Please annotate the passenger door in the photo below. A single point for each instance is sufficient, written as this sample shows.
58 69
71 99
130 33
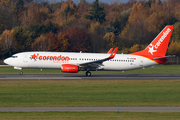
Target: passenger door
25 58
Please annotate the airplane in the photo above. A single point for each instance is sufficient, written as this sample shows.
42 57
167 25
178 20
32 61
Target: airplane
70 62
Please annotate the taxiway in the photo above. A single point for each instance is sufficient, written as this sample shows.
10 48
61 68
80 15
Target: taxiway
93 77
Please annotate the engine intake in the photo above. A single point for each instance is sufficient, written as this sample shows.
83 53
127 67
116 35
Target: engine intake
69 68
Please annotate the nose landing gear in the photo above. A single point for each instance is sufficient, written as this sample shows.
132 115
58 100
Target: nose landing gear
21 73
88 73
18 68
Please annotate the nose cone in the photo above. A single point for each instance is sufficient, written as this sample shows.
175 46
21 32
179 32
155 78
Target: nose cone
7 61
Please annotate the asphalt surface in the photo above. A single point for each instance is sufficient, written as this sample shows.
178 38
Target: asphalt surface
93 77
86 109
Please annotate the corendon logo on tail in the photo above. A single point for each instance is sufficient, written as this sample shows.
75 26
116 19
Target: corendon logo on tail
165 34
51 58
151 49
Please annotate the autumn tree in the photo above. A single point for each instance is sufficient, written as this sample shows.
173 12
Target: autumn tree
168 21
149 3
174 48
70 27
83 2
63 42
157 14
43 28
82 10
112 13
7 20
32 16
68 11
48 9
2 27
23 38
125 50
137 30
53 40
110 38
65 14
7 41
134 48
78 39
59 42
42 43
7 3
114 27
96 32
96 13
176 32
135 25
124 15
135 17
19 8
176 11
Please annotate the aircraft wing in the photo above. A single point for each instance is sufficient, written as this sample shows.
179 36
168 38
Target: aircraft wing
97 63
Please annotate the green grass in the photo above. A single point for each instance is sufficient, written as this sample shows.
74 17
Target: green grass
159 69
90 93
87 116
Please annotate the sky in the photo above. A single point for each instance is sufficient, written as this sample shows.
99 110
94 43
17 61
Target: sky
104 1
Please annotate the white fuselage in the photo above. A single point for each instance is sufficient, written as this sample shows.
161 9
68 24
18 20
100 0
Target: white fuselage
54 60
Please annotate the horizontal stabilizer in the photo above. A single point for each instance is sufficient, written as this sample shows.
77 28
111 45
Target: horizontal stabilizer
160 58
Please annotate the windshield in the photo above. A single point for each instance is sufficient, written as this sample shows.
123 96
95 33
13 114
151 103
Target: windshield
14 56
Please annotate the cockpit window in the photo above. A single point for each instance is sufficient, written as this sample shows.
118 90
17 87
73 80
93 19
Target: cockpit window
14 56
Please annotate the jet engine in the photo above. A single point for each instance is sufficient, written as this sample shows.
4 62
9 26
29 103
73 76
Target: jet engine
69 68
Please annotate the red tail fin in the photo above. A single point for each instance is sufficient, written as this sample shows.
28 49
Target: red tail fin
158 47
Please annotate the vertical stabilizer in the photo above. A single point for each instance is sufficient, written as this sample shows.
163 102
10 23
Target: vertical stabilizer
158 47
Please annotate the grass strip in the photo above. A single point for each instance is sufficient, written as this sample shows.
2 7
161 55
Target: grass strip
90 93
87 116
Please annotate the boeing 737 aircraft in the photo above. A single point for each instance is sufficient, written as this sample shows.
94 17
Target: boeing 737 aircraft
71 62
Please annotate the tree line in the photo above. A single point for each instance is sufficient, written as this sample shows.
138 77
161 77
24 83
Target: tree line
87 27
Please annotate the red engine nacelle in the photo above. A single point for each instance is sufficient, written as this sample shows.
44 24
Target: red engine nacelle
70 68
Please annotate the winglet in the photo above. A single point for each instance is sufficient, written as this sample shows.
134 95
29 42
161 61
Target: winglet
113 53
110 51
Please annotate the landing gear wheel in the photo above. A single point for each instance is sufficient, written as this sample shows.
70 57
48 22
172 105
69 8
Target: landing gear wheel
21 73
88 73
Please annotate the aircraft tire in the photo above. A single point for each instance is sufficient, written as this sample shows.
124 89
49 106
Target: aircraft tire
21 73
88 73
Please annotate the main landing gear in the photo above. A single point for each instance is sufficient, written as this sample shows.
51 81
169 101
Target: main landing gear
88 73
21 73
